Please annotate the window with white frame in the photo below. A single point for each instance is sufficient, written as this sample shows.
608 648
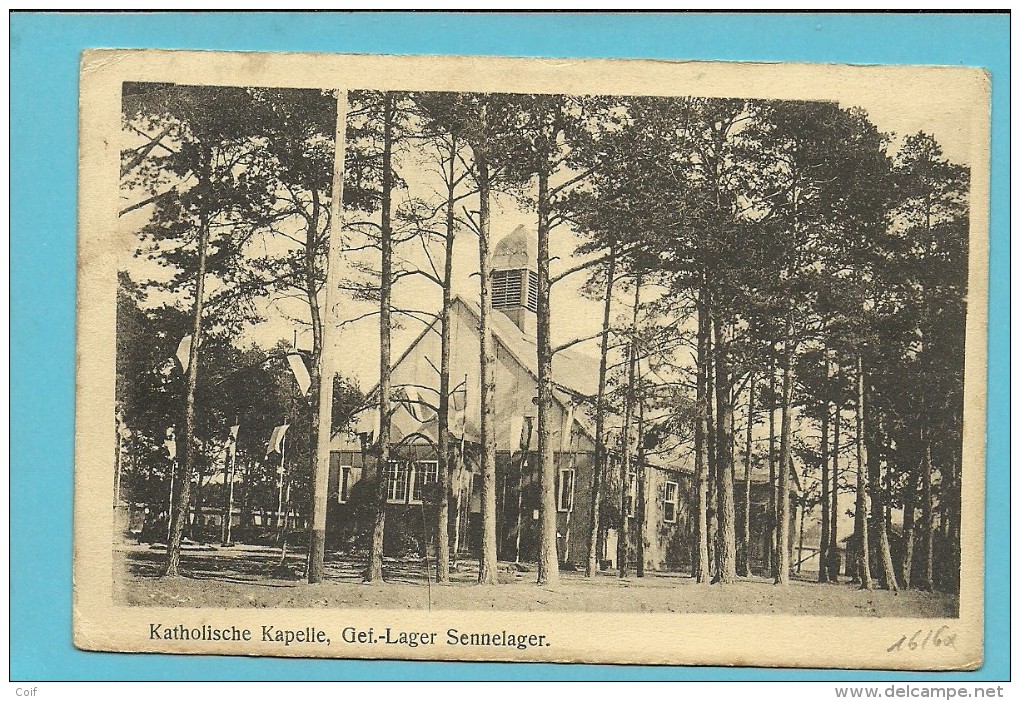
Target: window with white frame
404 481
424 472
396 482
670 500
565 493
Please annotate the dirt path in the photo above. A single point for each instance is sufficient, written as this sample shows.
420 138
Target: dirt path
249 576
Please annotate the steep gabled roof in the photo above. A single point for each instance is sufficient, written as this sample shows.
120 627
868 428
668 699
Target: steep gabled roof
574 374
573 371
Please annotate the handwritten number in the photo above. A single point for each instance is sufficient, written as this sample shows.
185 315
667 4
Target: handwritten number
938 638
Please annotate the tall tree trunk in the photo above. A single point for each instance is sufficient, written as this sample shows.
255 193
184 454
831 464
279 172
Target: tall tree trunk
639 506
944 506
598 469
231 479
773 517
861 517
833 563
710 439
701 563
374 571
316 557
198 499
286 522
445 465
726 550
823 545
186 466
745 569
622 544
927 508
953 543
523 466
801 507
878 530
548 562
785 435
927 520
487 567
323 363
245 516
312 283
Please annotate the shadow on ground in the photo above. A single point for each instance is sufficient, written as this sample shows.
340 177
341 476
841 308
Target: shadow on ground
253 576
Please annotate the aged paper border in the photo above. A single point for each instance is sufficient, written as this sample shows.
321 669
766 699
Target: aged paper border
594 637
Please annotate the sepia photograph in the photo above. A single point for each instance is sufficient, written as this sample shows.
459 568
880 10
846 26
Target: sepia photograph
503 359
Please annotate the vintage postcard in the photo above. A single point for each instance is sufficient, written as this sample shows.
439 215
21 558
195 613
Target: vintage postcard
635 362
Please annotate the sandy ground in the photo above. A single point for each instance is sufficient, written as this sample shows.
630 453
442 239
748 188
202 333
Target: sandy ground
250 576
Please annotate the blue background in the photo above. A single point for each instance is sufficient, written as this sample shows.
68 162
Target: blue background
45 51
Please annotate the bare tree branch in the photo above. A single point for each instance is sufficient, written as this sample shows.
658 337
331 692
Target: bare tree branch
568 344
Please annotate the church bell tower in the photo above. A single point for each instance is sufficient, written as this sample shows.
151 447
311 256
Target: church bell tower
515 280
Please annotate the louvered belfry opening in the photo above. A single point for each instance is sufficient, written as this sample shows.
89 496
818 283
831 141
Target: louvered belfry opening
506 288
514 280
514 288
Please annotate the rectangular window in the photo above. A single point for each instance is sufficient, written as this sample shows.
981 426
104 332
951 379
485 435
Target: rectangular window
425 472
396 482
631 492
670 497
506 288
565 496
